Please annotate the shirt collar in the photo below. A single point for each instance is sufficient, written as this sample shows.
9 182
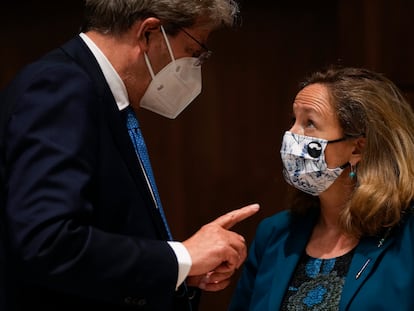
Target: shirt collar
114 81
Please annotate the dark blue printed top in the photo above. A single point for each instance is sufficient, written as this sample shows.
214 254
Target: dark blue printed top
317 284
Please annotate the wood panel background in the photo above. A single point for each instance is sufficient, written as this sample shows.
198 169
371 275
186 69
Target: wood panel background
223 151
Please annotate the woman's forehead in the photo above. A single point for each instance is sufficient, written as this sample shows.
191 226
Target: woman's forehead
314 97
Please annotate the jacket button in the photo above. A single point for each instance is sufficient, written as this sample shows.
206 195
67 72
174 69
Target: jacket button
141 302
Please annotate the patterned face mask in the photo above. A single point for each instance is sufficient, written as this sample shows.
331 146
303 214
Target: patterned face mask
304 165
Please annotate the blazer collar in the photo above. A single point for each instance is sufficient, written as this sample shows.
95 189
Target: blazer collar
287 260
365 258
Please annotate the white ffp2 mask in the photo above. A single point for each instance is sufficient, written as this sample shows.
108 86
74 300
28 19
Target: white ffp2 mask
174 87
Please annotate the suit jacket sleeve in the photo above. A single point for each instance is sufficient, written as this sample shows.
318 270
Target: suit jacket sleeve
54 171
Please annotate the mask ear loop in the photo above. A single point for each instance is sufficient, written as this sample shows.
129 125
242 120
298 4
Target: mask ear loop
168 44
149 66
147 61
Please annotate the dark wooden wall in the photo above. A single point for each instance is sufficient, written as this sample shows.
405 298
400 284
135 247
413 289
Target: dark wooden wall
223 151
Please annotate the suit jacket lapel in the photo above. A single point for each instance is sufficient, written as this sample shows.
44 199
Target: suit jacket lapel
116 122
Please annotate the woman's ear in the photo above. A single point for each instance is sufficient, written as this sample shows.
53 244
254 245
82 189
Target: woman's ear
359 145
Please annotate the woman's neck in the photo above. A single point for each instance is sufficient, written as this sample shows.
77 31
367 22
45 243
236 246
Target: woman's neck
328 240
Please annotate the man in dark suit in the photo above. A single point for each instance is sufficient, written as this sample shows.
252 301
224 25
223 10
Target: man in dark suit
81 221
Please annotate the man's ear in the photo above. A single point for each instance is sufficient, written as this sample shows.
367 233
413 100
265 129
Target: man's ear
145 29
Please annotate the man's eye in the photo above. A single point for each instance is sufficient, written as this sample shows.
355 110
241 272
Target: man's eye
197 54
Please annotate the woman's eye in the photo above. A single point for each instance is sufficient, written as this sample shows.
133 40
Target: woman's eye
310 123
304 123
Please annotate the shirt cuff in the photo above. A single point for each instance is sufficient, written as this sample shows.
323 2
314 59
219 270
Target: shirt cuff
184 261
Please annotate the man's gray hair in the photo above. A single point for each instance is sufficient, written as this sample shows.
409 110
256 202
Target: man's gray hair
117 16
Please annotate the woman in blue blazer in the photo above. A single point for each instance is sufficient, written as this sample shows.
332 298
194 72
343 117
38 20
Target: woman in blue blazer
347 242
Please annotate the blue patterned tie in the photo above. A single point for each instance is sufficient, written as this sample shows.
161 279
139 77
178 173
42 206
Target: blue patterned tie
142 153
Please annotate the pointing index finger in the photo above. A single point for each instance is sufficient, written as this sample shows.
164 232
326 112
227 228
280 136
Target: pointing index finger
231 218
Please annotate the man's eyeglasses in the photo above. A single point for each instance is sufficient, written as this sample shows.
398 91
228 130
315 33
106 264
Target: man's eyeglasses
204 55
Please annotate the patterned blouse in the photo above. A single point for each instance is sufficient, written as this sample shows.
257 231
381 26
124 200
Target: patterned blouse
317 283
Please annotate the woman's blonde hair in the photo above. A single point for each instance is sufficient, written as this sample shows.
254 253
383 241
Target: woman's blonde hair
370 105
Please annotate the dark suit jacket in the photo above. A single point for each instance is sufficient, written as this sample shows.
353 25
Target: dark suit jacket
386 283
79 227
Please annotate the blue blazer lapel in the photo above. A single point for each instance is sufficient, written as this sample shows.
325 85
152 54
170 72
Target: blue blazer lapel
285 262
366 254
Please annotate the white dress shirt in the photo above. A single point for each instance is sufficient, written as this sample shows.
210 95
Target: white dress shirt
119 91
